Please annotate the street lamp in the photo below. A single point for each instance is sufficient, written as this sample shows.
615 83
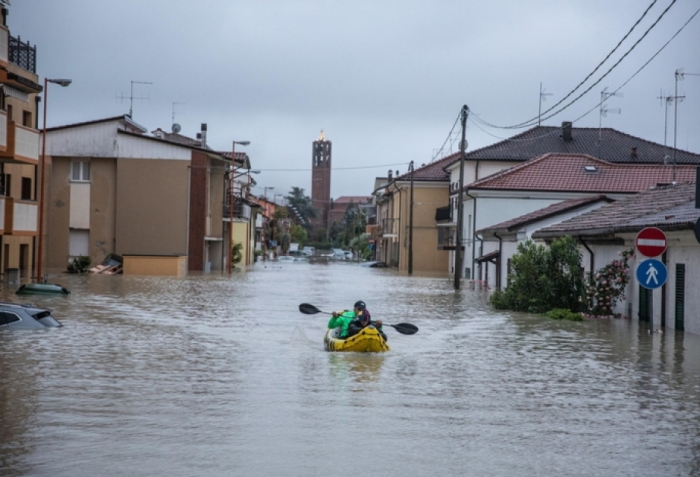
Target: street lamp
64 83
232 201
265 192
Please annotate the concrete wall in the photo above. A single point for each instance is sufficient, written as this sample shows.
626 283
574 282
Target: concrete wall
154 265
152 207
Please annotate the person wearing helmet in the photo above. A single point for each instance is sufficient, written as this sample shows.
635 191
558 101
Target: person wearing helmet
352 322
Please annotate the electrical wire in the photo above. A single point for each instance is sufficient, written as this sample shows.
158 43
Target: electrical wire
533 121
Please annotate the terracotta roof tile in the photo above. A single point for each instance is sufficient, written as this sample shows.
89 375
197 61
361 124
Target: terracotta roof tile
667 207
582 173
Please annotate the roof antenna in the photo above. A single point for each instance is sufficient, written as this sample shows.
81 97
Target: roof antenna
132 98
604 95
543 97
176 128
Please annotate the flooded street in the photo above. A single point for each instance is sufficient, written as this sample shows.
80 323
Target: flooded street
210 375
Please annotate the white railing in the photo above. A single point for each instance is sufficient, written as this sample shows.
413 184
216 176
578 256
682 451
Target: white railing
26 143
25 219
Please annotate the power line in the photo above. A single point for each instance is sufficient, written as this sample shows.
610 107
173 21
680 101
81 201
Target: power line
531 122
336 168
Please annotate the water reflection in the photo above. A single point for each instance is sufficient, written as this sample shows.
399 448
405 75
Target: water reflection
217 375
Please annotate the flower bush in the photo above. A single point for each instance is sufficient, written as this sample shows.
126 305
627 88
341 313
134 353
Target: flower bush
607 286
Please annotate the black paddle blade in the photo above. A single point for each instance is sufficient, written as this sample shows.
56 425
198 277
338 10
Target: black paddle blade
405 328
308 309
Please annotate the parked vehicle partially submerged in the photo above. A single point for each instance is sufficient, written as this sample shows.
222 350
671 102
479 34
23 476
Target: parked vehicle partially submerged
26 316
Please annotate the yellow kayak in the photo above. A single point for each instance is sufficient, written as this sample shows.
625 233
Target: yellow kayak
368 340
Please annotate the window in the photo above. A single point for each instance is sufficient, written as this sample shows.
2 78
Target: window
27 119
26 188
6 318
80 171
9 112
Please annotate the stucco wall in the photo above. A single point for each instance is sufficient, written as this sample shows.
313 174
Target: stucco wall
152 205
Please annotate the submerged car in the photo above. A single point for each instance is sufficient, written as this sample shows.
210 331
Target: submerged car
25 316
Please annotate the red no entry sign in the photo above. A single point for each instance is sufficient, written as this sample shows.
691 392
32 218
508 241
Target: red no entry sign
651 242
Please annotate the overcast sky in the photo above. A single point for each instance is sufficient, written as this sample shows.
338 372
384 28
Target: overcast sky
385 79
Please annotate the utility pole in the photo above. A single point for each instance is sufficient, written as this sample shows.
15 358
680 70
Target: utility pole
410 228
460 205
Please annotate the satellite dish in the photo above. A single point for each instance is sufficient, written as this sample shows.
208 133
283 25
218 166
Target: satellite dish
176 128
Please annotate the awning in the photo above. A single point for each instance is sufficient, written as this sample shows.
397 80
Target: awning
489 257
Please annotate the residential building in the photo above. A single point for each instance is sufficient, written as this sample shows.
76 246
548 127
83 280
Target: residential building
19 154
393 219
605 144
339 207
545 190
156 200
608 230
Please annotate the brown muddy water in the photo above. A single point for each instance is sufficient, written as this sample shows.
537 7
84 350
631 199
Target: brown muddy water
213 375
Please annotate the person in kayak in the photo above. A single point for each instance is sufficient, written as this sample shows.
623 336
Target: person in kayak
352 322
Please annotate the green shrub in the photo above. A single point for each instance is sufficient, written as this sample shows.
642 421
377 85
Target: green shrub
543 278
564 314
79 264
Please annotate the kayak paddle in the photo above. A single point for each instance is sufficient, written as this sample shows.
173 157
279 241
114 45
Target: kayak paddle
403 328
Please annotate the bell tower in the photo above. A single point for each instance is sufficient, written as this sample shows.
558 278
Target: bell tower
321 180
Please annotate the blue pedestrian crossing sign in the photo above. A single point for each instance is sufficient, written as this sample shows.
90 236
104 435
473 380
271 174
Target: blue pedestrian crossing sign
651 273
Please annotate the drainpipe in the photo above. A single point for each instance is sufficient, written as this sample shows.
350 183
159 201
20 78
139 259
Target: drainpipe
498 262
580 239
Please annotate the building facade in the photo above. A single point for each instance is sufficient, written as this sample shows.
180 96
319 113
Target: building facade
156 202
19 155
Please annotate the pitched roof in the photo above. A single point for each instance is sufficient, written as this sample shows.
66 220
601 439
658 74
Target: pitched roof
582 173
541 214
670 207
125 119
357 199
607 144
435 171
177 138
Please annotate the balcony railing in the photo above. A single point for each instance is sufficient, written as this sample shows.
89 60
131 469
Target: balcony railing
241 210
22 54
443 214
19 217
390 228
22 144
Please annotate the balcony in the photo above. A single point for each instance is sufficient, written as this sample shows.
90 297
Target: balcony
390 228
22 144
241 209
21 54
18 217
443 214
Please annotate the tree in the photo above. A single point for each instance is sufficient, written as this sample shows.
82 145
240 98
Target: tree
543 279
303 205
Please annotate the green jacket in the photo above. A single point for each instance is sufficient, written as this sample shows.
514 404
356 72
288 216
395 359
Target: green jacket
343 320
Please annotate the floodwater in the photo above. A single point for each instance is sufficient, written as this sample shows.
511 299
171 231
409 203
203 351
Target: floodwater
213 375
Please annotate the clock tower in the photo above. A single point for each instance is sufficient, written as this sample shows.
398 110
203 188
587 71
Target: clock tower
321 180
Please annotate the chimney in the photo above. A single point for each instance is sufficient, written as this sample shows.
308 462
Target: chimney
390 174
566 131
634 153
204 135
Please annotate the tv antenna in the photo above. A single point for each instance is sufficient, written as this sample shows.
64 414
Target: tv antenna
604 95
132 97
543 97
176 128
